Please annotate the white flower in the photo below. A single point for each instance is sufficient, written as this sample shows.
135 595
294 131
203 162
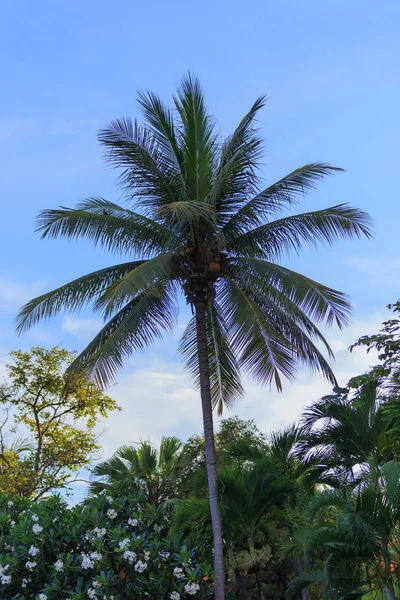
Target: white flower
157 528
140 566
5 579
59 565
164 555
30 565
111 513
178 572
147 555
37 529
87 563
10 504
42 597
95 556
97 533
33 551
35 518
175 596
133 522
130 556
123 544
96 584
109 499
24 582
12 523
192 588
91 593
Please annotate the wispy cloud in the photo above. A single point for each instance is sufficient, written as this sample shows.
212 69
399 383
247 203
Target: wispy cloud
82 329
381 270
13 293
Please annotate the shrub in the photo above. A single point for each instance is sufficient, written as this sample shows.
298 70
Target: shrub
105 548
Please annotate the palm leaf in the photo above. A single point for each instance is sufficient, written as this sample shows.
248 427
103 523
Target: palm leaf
224 372
108 225
71 296
198 139
294 232
284 193
148 173
161 268
134 327
317 301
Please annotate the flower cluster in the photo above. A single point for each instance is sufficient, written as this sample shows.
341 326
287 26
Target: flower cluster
4 577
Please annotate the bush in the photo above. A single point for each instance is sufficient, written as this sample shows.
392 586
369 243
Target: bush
108 549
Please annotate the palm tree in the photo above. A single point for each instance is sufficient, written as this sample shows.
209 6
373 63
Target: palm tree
203 227
144 470
250 495
345 431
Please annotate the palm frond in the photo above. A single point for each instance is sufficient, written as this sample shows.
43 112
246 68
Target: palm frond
318 302
292 233
237 176
302 581
72 296
108 225
224 371
262 350
161 268
198 139
148 175
281 194
161 121
134 327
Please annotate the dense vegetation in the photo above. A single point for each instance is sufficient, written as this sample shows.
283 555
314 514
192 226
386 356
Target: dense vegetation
312 512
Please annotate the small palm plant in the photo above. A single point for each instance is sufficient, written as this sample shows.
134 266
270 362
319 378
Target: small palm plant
145 470
198 223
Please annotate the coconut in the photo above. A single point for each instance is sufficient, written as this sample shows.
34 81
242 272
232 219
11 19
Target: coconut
214 267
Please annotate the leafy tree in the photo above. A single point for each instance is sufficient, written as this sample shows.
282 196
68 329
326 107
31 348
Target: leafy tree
57 413
203 227
156 474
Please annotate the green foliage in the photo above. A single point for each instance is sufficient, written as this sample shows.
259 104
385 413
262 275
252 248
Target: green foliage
202 226
109 548
155 474
58 415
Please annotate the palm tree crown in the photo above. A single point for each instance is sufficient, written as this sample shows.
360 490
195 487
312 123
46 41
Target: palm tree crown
205 228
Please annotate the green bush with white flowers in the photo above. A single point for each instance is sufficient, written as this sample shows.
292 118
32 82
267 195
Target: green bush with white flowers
105 548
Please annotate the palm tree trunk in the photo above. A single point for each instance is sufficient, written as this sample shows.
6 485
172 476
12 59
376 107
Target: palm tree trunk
299 567
211 461
259 585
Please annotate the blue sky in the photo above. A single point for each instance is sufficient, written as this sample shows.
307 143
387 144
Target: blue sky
68 68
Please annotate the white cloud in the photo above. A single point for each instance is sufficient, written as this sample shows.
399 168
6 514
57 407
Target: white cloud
381 270
13 293
82 329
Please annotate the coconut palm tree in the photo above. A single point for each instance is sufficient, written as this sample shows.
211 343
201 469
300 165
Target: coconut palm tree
198 222
145 470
